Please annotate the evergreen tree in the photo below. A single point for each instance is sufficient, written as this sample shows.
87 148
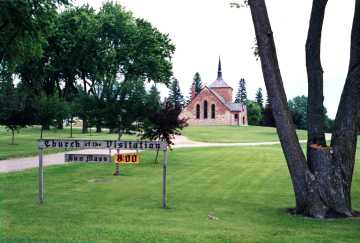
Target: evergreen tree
175 96
153 103
254 113
259 98
268 118
241 96
198 83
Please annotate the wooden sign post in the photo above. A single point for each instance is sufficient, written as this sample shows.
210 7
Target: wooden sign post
117 167
100 144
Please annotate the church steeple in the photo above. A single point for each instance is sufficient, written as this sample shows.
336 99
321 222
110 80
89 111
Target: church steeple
219 76
219 82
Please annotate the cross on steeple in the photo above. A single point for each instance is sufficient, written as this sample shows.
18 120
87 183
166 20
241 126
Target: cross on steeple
219 76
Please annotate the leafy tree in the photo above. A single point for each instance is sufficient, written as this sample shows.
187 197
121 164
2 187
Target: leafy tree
259 98
117 53
133 52
16 111
322 179
298 109
241 95
254 113
49 109
175 96
75 35
164 125
23 27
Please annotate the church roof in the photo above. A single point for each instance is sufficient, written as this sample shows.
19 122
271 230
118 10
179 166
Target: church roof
219 82
230 105
234 106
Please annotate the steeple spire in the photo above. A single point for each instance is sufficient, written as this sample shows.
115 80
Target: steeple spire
219 76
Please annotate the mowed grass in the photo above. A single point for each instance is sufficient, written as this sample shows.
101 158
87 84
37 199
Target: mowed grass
234 134
247 189
26 140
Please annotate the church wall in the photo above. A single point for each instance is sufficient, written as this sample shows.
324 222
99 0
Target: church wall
222 115
224 92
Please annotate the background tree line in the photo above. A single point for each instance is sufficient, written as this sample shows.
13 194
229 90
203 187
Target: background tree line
260 113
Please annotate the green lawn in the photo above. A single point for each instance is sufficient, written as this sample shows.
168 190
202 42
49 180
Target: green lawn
26 140
246 188
234 134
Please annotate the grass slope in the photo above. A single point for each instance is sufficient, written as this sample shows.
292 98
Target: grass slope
26 140
234 134
247 188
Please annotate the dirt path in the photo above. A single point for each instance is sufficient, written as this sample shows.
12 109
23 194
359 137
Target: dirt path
18 164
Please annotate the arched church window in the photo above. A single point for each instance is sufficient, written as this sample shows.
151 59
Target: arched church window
205 109
213 111
197 111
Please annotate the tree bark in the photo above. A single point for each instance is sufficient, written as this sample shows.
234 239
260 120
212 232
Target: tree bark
344 138
315 113
273 81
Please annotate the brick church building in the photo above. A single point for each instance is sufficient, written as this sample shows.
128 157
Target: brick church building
214 105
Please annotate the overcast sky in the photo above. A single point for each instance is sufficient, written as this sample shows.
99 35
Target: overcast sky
203 30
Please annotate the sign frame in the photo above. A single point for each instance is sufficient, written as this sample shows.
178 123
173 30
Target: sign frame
100 144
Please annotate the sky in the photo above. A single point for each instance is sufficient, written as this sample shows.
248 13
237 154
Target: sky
203 30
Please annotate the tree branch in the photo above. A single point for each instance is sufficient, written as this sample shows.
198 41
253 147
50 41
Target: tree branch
316 116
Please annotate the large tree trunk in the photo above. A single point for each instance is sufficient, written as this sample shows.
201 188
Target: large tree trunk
41 131
98 128
85 126
329 178
12 136
60 124
322 183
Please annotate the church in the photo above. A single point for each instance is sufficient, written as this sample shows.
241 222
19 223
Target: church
214 105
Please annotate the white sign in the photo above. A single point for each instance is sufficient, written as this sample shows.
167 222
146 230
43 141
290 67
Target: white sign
101 144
